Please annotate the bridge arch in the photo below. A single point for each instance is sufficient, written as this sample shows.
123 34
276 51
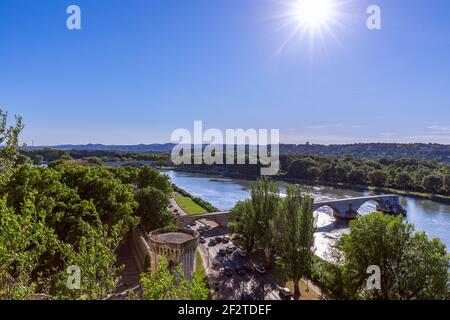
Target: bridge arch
377 202
325 205
221 218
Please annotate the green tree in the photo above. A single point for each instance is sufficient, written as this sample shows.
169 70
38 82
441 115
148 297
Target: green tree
300 168
148 177
412 266
167 283
9 140
357 176
23 159
432 183
87 226
37 159
403 180
94 255
342 170
152 208
265 198
447 183
377 178
113 200
296 235
24 239
65 156
243 221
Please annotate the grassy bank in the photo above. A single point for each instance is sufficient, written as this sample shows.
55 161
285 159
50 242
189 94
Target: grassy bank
208 207
200 269
188 205
199 263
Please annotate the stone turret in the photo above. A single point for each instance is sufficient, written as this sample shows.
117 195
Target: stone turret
178 247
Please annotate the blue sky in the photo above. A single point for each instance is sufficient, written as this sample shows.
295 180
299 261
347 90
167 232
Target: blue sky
139 69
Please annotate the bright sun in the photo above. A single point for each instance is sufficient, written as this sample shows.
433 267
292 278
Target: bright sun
310 18
313 14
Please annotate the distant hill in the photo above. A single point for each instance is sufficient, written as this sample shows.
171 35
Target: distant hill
156 147
422 151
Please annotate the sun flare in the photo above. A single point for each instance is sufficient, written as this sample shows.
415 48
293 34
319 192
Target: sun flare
313 13
311 20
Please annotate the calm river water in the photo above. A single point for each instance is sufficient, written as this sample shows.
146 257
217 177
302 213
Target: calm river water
223 193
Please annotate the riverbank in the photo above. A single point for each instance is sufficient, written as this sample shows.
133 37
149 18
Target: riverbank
191 204
224 174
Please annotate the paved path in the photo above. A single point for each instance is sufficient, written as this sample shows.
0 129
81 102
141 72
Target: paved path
175 206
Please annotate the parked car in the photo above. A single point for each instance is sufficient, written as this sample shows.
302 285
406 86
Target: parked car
175 210
260 269
226 239
249 268
248 296
223 252
230 249
240 270
218 239
285 294
202 239
212 243
228 272
242 253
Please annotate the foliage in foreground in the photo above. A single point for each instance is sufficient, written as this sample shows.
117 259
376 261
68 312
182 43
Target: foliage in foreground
64 215
167 283
412 266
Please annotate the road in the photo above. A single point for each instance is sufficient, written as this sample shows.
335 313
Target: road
236 287
175 207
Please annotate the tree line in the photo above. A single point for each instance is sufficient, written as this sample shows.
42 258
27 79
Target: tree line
402 174
38 156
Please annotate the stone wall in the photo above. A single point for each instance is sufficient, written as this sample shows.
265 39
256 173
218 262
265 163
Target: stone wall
141 249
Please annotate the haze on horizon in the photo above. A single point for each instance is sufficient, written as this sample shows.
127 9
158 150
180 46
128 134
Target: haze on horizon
137 71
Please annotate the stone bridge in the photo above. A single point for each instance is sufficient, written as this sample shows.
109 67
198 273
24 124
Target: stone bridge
342 208
221 218
348 208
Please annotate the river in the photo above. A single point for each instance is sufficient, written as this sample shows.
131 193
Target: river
223 193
